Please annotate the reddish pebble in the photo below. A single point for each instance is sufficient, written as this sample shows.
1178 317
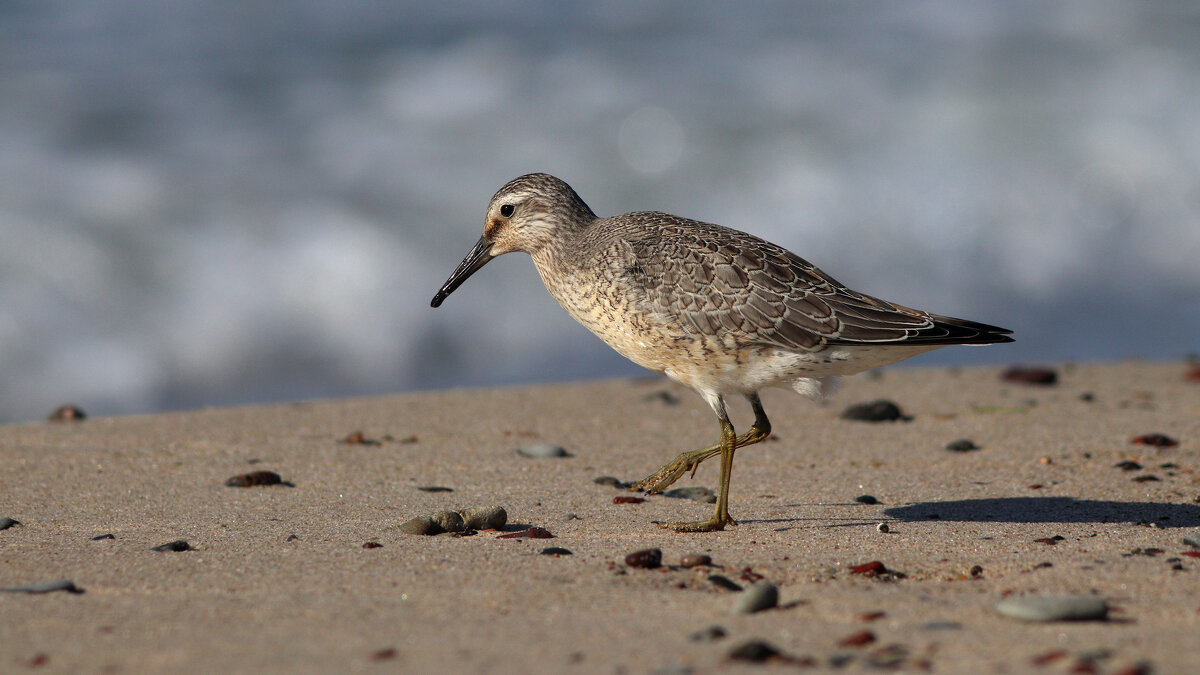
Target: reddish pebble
867 617
1155 440
699 560
372 544
1191 554
1047 658
1193 374
1026 375
628 500
384 654
871 569
862 637
649 558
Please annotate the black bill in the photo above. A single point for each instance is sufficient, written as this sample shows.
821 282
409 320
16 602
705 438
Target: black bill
478 257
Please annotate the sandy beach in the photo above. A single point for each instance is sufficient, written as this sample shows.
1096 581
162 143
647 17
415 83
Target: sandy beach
1056 499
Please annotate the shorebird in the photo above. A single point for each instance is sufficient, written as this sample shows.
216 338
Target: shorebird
716 309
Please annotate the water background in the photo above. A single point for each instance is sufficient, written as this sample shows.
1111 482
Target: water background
232 201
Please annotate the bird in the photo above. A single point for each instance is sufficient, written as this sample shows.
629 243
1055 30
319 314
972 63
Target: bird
718 310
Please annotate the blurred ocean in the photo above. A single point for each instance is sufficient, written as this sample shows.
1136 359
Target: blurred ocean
232 201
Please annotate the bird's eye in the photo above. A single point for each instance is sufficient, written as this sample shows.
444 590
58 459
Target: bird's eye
506 210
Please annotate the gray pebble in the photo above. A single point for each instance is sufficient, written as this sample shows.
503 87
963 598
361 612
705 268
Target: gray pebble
759 596
6 523
421 525
45 587
883 527
1192 539
610 481
449 521
700 494
484 517
1054 608
543 450
569 515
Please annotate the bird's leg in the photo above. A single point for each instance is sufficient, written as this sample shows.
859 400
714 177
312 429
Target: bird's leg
729 443
690 461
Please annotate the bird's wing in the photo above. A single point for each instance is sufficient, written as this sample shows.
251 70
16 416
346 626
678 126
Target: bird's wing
717 281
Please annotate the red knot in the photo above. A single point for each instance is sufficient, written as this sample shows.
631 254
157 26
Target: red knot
718 310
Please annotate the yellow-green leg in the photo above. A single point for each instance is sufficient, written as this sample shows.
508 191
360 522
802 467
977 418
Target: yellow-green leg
730 442
691 460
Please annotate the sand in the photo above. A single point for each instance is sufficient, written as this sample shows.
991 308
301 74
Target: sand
279 580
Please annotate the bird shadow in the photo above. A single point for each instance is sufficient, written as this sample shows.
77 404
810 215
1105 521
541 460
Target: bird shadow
1023 510
1050 510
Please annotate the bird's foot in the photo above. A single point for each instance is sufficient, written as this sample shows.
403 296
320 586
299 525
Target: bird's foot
713 524
673 470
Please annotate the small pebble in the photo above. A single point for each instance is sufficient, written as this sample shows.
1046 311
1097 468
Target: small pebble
556 550
883 527
1145 478
45 587
255 479
859 639
1192 539
962 445
108 535
866 499
358 438
628 500
941 625
695 560
759 596
67 413
177 545
484 517
449 521
710 634
649 558
610 481
421 525
1054 608
543 451
6 523
434 488
1127 465
532 533
700 494
372 544
1155 440
721 581
1028 375
754 651
874 411
569 515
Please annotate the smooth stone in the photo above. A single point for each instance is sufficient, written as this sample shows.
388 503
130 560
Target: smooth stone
421 525
45 587
484 517
6 523
695 560
1054 608
611 481
1192 539
543 450
759 596
866 499
700 494
449 521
